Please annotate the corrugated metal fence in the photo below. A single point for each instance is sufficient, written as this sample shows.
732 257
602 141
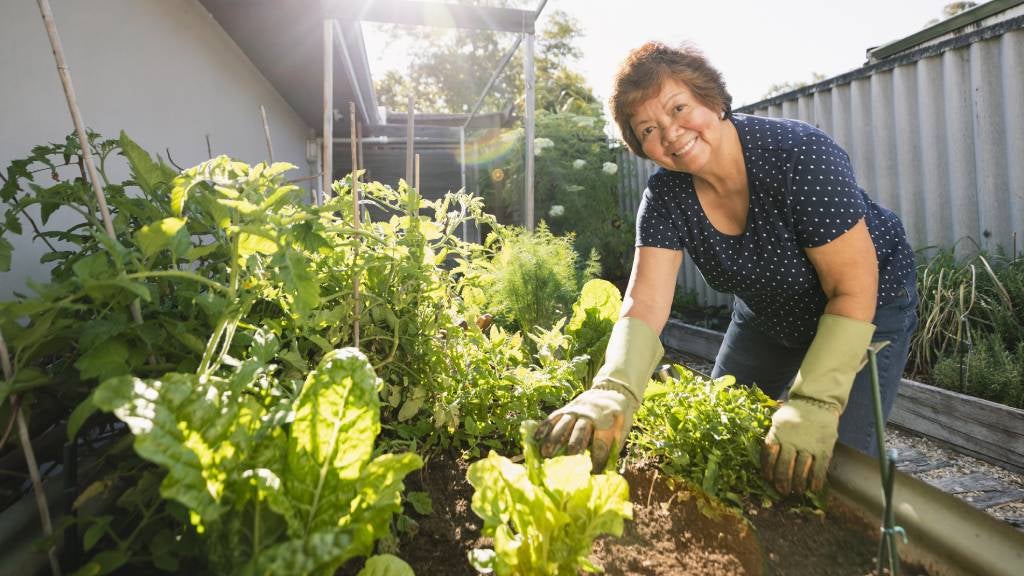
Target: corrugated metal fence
935 134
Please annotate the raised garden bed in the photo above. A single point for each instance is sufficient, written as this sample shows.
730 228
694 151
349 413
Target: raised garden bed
980 428
668 536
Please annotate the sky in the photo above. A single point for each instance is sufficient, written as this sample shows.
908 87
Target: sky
755 44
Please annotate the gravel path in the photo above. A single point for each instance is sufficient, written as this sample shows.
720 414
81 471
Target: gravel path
998 491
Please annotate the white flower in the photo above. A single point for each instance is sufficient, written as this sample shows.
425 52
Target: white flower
539 144
610 168
579 163
556 211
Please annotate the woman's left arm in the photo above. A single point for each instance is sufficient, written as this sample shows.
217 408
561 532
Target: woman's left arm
847 269
798 447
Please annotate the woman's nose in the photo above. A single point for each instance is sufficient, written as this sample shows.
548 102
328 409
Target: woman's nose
669 133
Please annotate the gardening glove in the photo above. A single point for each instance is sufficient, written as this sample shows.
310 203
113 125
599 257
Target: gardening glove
600 418
804 430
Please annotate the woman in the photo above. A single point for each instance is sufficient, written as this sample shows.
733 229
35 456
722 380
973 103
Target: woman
770 211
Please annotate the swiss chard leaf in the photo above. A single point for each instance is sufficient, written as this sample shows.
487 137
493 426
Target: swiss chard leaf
544 516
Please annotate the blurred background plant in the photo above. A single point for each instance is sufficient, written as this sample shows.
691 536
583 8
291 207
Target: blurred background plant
533 279
971 325
575 190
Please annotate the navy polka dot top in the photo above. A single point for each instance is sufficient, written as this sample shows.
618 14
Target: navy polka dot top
803 194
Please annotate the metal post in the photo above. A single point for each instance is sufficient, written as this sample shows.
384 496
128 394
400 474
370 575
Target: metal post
328 142
410 133
529 120
266 134
462 171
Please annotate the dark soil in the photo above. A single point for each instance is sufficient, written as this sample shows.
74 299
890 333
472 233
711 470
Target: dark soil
668 536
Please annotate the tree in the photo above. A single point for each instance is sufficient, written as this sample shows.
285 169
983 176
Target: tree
781 88
450 69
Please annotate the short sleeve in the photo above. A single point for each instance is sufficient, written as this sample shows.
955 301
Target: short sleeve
826 200
654 228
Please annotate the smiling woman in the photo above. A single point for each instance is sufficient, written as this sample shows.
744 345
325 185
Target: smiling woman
770 211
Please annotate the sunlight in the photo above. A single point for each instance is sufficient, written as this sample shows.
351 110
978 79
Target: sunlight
491 146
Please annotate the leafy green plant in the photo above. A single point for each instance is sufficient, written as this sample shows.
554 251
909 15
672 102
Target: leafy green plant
544 515
495 381
989 370
240 283
707 432
270 498
533 278
953 306
593 316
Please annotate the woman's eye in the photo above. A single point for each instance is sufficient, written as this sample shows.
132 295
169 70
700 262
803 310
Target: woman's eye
679 107
647 130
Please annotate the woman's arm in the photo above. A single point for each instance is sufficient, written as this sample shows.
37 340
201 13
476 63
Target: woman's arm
600 417
652 284
848 271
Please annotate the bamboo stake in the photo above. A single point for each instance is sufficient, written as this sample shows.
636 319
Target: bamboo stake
30 461
355 219
266 132
83 141
209 148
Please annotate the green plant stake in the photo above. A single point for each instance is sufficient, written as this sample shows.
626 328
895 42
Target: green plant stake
887 466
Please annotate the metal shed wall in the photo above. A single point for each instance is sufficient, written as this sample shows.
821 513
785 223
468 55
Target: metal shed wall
935 134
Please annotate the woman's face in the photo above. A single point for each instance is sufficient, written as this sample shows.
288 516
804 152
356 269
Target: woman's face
676 130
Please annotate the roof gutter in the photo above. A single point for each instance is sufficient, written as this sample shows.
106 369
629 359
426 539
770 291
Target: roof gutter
961 20
368 110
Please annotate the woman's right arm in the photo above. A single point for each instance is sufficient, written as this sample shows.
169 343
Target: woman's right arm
652 284
600 418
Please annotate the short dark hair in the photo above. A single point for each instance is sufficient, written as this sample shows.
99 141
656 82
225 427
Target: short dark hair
641 75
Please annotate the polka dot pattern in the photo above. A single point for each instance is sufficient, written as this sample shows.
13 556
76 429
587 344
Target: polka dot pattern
803 194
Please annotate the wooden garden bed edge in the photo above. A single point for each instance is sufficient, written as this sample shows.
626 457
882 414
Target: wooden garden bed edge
980 428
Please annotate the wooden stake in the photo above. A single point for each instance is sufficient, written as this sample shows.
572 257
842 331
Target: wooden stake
355 220
83 140
266 132
30 460
209 148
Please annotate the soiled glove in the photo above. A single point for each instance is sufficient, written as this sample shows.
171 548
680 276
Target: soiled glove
804 430
600 418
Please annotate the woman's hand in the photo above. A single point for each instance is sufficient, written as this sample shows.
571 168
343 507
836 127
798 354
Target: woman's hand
598 419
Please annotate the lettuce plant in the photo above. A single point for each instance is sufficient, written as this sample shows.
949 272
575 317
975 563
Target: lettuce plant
544 516
708 432
269 498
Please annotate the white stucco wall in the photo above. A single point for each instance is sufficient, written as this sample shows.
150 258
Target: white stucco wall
162 70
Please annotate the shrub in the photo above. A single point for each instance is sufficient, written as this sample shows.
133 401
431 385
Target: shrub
989 370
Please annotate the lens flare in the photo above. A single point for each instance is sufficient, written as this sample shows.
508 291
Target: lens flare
492 146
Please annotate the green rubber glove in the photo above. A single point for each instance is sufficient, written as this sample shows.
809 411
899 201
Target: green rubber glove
600 418
804 430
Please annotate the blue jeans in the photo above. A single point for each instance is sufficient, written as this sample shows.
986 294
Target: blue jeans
754 357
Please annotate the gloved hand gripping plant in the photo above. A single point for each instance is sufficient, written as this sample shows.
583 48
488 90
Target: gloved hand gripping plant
600 418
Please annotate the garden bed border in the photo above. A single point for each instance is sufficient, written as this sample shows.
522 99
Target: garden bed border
980 428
